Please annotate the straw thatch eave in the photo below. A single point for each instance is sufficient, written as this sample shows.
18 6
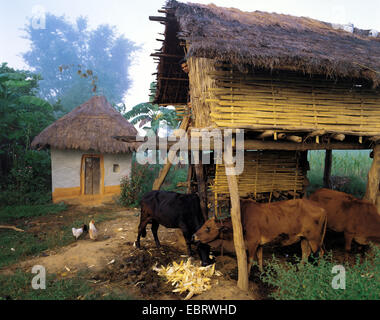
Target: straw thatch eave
277 41
270 41
89 127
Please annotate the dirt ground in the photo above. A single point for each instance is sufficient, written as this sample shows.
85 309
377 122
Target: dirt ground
112 261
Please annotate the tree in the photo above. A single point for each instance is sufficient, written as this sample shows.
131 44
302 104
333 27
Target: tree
22 117
61 43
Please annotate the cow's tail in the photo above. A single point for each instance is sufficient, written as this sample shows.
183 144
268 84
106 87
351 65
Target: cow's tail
143 231
321 245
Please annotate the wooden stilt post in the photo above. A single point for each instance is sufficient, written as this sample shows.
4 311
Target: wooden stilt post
327 171
236 222
373 176
202 187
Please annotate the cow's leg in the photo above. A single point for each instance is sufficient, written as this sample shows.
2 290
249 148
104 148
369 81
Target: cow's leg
347 246
187 235
305 247
259 254
141 231
155 226
251 254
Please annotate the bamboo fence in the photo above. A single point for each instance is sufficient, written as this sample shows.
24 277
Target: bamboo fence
264 172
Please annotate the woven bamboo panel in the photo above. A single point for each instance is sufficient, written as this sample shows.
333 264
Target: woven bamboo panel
264 171
292 103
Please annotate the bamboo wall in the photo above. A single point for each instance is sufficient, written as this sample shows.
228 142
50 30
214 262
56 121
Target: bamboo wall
223 97
265 172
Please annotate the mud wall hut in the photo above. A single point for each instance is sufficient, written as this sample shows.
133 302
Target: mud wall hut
87 164
292 83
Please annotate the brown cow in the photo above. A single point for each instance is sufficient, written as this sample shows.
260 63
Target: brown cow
358 219
281 223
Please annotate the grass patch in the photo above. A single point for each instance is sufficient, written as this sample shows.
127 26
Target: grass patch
313 281
18 287
353 164
10 213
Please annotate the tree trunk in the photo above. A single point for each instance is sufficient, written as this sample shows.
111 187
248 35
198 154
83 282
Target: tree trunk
327 171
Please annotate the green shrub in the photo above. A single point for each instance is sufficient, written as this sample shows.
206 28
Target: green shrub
28 181
312 280
140 181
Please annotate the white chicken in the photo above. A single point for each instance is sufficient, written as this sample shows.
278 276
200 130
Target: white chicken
92 230
78 232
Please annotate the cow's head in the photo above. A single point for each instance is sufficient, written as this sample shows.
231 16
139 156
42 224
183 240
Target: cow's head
210 231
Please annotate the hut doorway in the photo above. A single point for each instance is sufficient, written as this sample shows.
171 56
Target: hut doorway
92 175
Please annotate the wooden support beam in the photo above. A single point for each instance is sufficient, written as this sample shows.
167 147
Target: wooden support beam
236 223
293 138
327 170
373 176
269 145
338 136
202 188
164 171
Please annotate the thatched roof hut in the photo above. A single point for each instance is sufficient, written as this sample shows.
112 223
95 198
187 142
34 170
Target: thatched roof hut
87 163
89 127
264 40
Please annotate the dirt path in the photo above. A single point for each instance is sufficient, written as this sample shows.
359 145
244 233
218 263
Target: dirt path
113 261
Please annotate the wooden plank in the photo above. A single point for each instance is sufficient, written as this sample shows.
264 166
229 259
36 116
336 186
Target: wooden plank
88 176
95 175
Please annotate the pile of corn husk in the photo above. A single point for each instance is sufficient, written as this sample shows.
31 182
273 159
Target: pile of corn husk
188 277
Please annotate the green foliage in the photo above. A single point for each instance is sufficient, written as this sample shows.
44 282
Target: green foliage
141 181
313 280
353 165
135 186
62 43
18 287
10 213
25 174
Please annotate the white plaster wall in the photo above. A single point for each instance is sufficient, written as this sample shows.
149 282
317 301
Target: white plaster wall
125 163
65 166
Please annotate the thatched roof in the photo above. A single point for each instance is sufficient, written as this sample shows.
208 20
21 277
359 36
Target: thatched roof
89 127
271 41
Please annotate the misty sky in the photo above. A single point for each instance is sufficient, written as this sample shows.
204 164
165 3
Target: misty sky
131 19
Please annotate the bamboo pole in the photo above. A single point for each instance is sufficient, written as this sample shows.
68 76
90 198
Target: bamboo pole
236 223
202 188
373 176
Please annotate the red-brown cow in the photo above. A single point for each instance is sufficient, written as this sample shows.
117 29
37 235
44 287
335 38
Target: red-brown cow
280 223
358 219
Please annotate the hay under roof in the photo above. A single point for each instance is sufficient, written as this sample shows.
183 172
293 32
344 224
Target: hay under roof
89 127
266 40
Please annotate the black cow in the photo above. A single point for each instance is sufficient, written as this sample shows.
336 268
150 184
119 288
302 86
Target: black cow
173 210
